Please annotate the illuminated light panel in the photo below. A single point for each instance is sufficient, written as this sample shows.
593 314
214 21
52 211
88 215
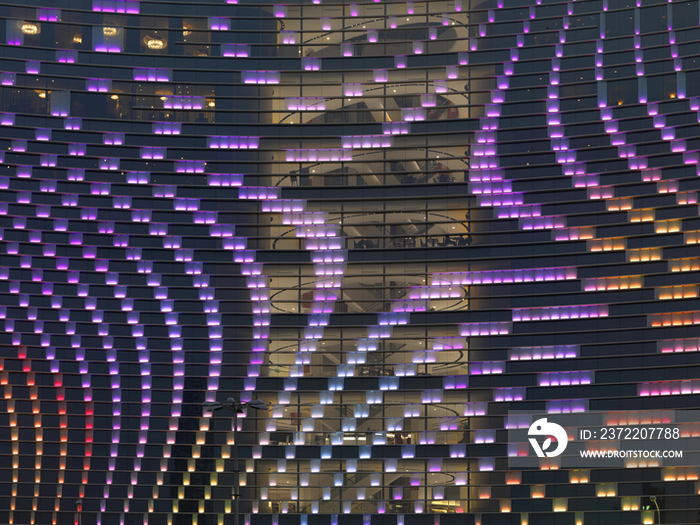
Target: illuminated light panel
670 226
486 367
669 388
560 312
116 6
260 77
673 319
641 215
607 245
612 283
677 292
543 352
644 254
233 142
574 234
306 104
477 329
236 50
567 406
678 345
583 377
504 276
153 75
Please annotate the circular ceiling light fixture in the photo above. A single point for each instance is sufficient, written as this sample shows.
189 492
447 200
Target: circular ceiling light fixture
153 42
109 31
29 29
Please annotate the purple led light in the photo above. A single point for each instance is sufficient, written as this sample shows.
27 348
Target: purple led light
98 84
243 50
396 128
311 64
492 328
233 142
153 75
566 406
18 145
219 24
8 79
486 367
76 149
560 312
367 141
583 377
260 77
225 179
108 164
116 6
317 155
153 153
509 394
189 166
183 102
306 104
102 48
72 124
49 160
167 128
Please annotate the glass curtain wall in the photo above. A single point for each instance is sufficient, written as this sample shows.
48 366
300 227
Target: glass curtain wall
391 221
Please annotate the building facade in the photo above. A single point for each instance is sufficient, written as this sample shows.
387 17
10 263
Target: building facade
407 227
